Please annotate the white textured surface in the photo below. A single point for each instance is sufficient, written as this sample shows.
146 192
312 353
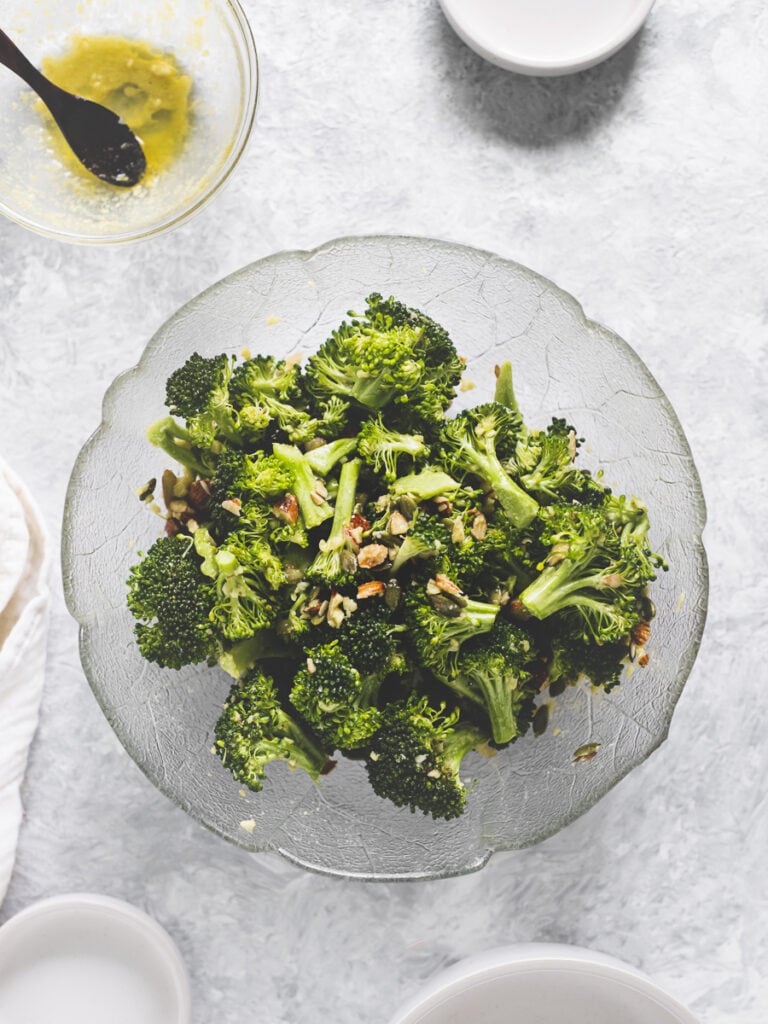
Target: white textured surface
640 187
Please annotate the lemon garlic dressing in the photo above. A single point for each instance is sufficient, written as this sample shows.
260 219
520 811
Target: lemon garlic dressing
144 86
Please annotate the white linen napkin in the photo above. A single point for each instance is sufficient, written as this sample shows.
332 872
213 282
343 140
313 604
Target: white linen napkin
23 629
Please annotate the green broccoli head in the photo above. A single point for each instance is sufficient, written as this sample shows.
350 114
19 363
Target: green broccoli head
383 448
254 730
416 755
392 359
267 393
571 657
427 537
475 442
243 602
496 675
599 563
198 391
370 638
238 479
172 600
440 619
339 703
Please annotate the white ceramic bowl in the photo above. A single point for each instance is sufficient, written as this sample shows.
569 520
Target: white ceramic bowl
542 984
546 37
89 959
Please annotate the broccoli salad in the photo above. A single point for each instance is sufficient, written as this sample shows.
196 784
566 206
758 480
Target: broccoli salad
383 580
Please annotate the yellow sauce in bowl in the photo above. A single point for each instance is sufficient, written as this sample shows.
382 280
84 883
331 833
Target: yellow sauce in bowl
143 86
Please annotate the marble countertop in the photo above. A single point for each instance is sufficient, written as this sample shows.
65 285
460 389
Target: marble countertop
640 187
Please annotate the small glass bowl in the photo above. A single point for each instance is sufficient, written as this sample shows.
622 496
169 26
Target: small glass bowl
565 365
211 41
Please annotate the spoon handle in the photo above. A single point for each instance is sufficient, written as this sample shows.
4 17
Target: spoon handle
12 57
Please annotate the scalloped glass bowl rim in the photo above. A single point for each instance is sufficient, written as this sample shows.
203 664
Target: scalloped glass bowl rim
112 395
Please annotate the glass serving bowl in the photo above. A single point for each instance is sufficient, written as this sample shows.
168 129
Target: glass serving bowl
211 42
565 365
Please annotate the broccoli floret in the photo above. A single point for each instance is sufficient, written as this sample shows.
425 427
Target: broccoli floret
475 442
416 755
332 416
173 600
369 638
266 390
329 564
255 730
314 508
572 658
495 674
392 359
337 700
443 365
238 479
427 537
323 459
199 392
598 564
544 462
382 448
243 604
177 442
440 620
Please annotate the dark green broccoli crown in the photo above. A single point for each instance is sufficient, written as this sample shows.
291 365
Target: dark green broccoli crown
436 348
495 673
239 478
332 696
190 389
172 600
259 474
512 642
254 730
427 537
368 638
572 656
416 755
439 623
404 366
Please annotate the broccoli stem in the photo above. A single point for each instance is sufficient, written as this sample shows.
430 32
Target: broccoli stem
482 614
429 483
175 441
458 743
327 559
519 507
505 391
303 477
345 498
557 587
323 459
243 655
306 752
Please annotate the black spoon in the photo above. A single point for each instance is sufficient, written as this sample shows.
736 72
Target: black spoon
102 143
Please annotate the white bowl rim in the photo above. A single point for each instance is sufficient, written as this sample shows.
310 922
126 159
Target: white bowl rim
152 933
521 957
530 64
